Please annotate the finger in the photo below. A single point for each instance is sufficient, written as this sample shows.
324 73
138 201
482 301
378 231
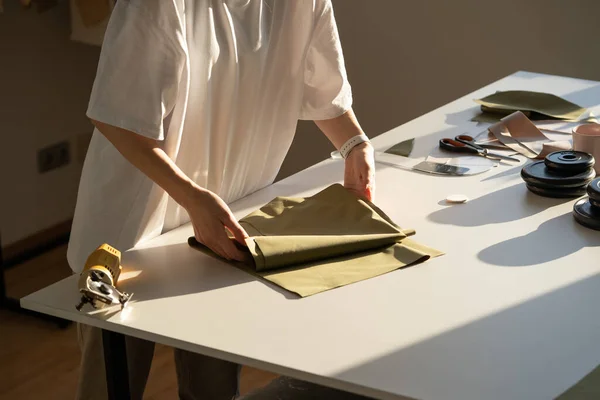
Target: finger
233 253
196 233
355 191
236 229
362 186
218 249
361 191
369 194
370 190
368 177
225 244
212 246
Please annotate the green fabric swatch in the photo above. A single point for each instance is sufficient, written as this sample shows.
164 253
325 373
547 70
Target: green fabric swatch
309 245
544 104
586 388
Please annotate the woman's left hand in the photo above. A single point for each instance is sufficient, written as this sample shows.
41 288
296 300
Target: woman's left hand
359 172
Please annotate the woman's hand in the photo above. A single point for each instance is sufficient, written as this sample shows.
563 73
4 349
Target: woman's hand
210 217
359 171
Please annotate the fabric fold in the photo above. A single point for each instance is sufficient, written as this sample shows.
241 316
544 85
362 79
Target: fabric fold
271 252
518 133
529 102
309 245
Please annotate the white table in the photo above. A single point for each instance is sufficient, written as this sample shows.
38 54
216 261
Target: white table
510 312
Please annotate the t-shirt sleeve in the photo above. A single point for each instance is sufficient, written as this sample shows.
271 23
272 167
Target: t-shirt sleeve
327 92
142 58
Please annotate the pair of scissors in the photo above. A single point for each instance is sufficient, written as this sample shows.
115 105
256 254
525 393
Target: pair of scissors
466 144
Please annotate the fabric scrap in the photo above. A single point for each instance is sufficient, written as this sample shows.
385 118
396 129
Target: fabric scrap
517 132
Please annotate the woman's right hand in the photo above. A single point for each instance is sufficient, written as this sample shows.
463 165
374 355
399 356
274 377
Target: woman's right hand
210 217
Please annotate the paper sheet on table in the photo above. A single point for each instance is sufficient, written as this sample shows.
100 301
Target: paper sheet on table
476 164
564 127
395 160
520 134
473 164
313 244
533 102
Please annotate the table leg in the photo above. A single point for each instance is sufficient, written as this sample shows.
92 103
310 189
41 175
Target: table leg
115 362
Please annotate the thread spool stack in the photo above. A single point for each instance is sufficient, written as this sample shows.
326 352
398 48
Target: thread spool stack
586 211
560 174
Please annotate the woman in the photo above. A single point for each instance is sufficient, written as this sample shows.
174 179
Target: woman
195 105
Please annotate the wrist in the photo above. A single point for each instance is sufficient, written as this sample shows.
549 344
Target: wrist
352 143
363 146
189 193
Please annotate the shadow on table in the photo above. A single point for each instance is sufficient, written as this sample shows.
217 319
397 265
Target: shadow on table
552 240
463 116
507 204
513 173
533 350
587 97
177 270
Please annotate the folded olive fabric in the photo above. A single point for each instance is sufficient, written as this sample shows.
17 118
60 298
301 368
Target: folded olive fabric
309 245
532 104
586 388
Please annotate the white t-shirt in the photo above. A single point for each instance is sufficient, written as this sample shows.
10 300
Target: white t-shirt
222 84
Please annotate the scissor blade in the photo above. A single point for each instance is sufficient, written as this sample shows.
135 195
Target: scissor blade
500 157
494 146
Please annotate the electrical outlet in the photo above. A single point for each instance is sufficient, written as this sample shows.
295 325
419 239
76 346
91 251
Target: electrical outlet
52 157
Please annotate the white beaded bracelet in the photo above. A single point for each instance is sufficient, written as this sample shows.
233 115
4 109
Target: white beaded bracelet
351 143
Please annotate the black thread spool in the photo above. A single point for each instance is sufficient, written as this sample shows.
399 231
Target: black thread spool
586 211
549 182
569 161
586 214
556 192
593 190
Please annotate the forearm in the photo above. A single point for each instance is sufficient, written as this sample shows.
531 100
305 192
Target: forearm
147 155
338 130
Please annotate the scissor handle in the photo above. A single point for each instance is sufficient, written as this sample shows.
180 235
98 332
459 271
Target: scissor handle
469 141
466 138
455 145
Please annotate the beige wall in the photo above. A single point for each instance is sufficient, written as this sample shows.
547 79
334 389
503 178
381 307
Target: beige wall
404 58
45 81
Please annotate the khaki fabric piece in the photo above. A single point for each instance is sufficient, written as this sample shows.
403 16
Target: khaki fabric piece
310 245
331 223
587 388
531 102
